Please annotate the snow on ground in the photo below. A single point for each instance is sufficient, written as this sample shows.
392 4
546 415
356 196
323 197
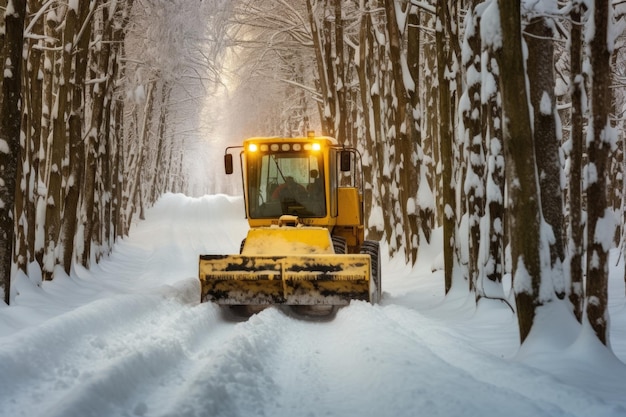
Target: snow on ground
129 338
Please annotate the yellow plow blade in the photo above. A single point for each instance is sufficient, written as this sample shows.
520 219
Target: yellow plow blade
294 280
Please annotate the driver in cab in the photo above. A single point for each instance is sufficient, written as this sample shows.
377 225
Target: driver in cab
289 190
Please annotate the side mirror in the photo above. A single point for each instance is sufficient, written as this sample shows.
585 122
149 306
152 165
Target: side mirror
345 161
228 163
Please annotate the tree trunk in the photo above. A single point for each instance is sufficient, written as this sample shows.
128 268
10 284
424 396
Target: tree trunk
23 190
423 216
521 168
577 226
541 75
362 67
10 114
376 54
35 92
330 102
340 87
431 127
158 182
136 164
117 191
494 263
100 60
446 149
49 85
599 238
407 173
54 199
471 109
77 146
327 122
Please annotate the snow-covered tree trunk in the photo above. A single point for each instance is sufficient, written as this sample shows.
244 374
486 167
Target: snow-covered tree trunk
23 191
368 136
113 184
136 157
341 88
34 131
422 206
494 221
117 175
600 139
404 128
431 120
328 52
100 64
541 75
3 6
50 54
77 144
377 92
60 111
446 147
523 186
576 222
10 113
470 109
323 82
158 180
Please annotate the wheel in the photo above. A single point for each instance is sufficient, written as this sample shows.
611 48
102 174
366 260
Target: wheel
372 248
339 244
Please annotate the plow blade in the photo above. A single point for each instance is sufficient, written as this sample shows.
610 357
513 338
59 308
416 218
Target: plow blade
293 280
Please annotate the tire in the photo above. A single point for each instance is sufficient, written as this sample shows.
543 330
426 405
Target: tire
339 244
372 248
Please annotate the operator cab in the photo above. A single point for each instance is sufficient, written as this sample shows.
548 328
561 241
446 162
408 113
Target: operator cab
285 178
305 178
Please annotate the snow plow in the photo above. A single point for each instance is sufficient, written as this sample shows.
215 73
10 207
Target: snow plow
305 246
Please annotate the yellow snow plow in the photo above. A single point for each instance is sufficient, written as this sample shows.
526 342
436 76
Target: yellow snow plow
304 204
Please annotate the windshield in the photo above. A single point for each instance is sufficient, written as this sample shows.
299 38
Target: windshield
286 183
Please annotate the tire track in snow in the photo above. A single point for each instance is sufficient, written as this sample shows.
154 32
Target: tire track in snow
231 378
63 374
499 377
85 371
359 362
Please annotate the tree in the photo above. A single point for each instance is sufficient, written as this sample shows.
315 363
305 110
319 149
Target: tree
446 141
493 230
522 181
471 121
10 125
60 114
423 205
540 65
405 130
103 72
600 220
76 123
576 223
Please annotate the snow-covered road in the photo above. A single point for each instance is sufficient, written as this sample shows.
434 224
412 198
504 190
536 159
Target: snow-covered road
129 338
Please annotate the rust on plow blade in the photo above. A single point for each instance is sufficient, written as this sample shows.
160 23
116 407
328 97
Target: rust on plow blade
294 280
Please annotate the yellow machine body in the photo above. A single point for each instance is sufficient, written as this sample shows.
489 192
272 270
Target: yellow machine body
305 211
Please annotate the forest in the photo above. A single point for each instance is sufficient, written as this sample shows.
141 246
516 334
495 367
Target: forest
500 122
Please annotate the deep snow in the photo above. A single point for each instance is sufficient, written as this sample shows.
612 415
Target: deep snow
129 338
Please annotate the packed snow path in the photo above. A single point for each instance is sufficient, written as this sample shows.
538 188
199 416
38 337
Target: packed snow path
129 338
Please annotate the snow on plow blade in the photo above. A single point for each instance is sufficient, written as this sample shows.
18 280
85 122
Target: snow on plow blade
294 280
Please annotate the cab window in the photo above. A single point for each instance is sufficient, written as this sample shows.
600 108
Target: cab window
286 183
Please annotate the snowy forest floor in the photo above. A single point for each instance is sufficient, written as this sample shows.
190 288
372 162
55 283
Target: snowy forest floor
129 338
